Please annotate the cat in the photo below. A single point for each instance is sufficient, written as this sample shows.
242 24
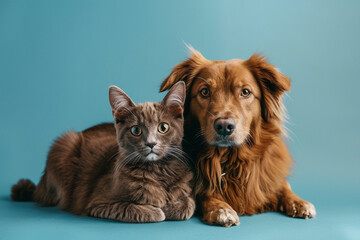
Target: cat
135 172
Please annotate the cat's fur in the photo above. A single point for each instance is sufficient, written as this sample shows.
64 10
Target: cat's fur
110 174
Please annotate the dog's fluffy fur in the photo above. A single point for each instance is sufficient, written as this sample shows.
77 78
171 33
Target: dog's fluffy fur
244 173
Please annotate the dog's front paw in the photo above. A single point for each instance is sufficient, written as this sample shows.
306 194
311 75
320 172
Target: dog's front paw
223 216
299 209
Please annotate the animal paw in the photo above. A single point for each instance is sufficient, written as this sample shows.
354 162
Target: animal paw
223 216
299 209
181 210
143 214
152 214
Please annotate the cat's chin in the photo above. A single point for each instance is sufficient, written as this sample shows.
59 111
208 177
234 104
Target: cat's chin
152 157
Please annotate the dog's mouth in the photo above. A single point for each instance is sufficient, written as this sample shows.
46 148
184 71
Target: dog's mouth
229 141
223 142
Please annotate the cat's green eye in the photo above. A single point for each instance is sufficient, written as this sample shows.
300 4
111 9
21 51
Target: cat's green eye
163 127
135 130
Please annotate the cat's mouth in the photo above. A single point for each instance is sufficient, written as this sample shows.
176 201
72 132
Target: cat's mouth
152 156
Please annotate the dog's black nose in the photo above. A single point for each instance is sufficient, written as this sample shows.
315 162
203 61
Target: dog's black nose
224 126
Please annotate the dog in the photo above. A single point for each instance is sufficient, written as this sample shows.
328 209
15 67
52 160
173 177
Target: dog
233 130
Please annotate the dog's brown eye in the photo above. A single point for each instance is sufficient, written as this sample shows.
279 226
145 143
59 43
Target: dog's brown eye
135 130
205 92
245 92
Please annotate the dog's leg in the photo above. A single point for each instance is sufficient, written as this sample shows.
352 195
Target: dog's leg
217 212
291 205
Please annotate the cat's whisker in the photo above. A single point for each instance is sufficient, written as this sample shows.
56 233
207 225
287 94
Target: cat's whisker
180 151
124 161
173 155
178 154
137 159
113 156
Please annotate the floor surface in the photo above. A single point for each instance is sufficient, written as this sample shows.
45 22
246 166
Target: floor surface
338 218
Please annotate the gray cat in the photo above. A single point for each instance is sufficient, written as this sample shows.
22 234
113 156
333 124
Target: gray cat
135 172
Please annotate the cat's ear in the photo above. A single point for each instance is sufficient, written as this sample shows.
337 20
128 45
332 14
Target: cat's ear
119 101
175 99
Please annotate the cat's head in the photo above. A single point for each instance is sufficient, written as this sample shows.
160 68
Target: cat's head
149 131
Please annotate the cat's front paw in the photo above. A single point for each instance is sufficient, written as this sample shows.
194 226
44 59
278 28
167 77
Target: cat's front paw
188 210
144 214
180 210
299 208
127 212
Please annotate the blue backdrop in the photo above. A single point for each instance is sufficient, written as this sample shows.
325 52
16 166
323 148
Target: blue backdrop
57 59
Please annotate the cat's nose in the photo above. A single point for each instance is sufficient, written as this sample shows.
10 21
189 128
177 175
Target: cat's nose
150 144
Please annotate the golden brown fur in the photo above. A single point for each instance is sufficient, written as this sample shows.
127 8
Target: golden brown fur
245 172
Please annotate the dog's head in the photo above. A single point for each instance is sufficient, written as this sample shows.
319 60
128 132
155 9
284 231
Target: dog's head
230 98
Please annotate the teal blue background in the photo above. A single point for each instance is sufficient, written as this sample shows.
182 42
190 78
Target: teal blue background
57 59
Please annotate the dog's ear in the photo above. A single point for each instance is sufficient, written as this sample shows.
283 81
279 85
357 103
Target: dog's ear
185 71
272 84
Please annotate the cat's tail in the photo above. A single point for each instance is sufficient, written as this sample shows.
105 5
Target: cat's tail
23 190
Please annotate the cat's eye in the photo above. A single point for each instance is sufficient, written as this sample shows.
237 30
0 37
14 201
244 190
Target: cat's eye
245 92
205 92
135 130
163 127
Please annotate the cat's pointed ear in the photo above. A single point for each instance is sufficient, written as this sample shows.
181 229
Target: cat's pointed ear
175 99
119 100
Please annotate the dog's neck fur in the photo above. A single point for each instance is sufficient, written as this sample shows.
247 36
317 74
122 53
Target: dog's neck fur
231 163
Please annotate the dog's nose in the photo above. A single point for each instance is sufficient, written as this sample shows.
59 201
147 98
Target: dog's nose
224 126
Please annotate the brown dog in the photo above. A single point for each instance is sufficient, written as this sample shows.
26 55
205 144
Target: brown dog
233 128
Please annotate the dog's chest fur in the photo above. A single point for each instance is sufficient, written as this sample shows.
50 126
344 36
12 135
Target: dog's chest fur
249 181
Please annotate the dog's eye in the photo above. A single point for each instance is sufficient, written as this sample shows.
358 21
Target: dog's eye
205 92
135 130
163 127
245 92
